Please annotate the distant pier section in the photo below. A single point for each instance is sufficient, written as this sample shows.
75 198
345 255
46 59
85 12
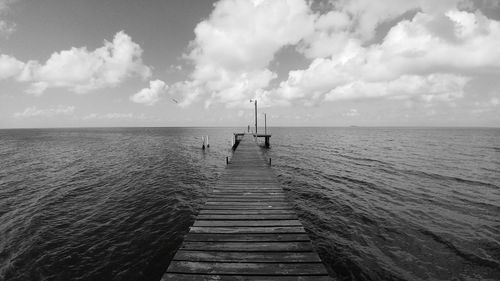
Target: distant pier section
247 230
238 136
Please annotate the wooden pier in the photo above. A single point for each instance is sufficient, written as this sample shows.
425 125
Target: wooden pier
246 230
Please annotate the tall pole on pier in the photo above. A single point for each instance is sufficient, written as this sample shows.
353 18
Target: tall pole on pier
265 124
255 117
255 102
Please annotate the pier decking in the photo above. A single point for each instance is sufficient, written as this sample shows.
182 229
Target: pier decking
246 230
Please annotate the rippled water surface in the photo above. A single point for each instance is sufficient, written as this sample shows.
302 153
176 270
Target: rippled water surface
396 204
379 203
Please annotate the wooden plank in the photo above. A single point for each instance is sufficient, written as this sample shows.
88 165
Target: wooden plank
274 257
247 207
247 217
246 193
247 203
247 223
248 189
248 246
247 212
215 277
246 199
268 237
259 229
247 268
243 196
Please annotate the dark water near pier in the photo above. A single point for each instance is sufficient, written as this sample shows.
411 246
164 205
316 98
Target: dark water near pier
380 203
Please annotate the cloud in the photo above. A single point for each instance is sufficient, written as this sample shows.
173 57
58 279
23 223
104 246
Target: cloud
6 27
111 116
80 70
414 55
151 95
117 116
351 113
481 107
358 20
33 111
433 87
366 15
234 46
10 67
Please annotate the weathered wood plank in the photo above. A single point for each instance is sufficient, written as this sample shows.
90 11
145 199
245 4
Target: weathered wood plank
247 268
248 189
259 229
246 199
243 196
248 203
247 223
274 257
246 217
247 207
248 212
239 192
215 277
256 237
248 246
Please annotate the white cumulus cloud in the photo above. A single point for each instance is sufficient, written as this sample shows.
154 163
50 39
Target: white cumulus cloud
234 46
151 95
80 70
443 87
10 67
438 53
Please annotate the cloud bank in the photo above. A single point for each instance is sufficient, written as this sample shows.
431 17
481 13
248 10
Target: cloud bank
35 112
430 52
78 69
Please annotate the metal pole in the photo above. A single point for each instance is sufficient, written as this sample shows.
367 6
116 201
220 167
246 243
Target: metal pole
265 124
256 117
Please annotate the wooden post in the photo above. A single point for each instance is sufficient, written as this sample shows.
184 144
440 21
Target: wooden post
265 124
269 161
227 160
255 117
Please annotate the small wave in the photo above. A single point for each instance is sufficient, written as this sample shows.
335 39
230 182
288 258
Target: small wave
364 159
470 257
436 176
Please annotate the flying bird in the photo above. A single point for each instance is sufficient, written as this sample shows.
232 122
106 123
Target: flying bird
175 101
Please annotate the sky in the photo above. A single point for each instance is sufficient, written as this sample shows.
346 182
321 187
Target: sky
106 63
